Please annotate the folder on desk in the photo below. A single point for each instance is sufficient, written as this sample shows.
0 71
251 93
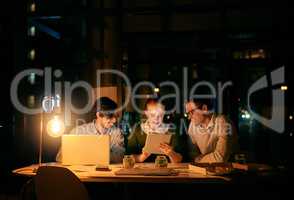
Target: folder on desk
197 169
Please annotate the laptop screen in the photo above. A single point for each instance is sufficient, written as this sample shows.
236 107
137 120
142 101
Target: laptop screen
85 149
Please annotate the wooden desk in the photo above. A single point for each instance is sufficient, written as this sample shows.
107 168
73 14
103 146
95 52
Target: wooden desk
89 174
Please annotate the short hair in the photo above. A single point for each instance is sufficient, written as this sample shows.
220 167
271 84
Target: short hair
199 99
200 102
105 107
153 101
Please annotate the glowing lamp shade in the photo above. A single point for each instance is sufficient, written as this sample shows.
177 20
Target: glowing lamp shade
55 127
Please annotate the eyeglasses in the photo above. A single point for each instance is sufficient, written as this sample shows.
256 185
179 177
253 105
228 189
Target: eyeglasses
191 112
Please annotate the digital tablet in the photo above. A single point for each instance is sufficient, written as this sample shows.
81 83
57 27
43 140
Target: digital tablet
153 142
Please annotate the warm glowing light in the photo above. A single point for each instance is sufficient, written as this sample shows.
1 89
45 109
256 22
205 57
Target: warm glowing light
185 115
33 7
284 87
156 90
290 117
55 127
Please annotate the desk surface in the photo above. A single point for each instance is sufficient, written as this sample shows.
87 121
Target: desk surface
89 174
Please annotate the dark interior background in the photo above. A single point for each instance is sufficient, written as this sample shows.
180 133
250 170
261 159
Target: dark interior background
152 40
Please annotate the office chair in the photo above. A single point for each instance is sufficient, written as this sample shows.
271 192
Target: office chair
56 183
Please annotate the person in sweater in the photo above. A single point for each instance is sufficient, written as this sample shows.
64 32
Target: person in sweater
212 138
154 112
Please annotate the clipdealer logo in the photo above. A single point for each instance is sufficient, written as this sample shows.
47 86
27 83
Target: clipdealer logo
215 92
277 120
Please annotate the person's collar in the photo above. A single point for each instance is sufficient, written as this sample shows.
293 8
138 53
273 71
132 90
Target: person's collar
210 124
163 128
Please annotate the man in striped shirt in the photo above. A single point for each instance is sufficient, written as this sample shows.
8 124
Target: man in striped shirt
104 124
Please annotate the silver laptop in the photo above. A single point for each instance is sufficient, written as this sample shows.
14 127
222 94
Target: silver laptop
85 150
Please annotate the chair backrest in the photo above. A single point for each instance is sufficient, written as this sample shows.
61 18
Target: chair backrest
56 183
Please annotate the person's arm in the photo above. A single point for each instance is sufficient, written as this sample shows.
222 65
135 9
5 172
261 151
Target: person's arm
141 157
171 150
117 146
173 156
223 147
220 154
132 147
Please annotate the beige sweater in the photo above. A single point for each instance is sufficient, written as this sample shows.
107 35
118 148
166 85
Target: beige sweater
213 143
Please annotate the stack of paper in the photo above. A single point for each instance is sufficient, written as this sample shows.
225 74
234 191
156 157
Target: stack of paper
197 170
146 172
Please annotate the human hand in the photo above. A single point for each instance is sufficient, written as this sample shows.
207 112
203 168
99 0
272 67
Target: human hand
166 149
143 156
